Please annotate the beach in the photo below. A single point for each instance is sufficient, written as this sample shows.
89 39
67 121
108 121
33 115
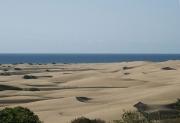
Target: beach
59 93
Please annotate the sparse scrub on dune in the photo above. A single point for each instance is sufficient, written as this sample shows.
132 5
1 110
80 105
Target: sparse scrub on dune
30 77
86 120
31 89
126 73
47 70
18 115
17 69
127 68
83 99
132 117
5 69
168 68
137 117
8 87
177 104
5 74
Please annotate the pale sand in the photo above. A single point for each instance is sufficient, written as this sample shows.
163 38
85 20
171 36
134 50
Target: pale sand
109 89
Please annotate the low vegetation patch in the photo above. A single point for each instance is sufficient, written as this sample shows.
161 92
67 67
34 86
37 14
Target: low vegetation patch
126 73
132 117
86 120
177 104
5 69
83 99
17 69
126 68
18 115
31 89
8 87
5 74
47 70
168 68
30 77
128 117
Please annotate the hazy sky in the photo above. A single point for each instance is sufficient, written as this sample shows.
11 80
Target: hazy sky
89 26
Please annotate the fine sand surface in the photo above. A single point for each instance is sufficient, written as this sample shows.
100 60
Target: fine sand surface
63 92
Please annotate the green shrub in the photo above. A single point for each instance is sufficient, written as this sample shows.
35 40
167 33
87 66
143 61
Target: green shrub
86 120
18 115
132 117
177 104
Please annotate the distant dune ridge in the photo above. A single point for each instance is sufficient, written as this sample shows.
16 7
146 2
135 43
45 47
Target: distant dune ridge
62 92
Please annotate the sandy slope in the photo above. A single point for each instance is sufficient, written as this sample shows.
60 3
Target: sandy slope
109 87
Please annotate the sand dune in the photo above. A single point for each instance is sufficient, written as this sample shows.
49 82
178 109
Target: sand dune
63 92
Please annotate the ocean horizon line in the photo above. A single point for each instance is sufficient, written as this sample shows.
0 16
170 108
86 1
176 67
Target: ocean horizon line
84 58
93 53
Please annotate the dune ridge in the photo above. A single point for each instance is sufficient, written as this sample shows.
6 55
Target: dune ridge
63 92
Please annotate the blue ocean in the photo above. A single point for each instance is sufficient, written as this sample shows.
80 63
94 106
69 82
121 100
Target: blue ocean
83 58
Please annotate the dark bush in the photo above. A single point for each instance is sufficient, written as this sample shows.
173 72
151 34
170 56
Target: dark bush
8 87
97 121
31 89
177 104
47 70
86 120
83 99
17 69
30 77
168 68
81 120
18 115
5 74
126 73
132 117
126 68
5 69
